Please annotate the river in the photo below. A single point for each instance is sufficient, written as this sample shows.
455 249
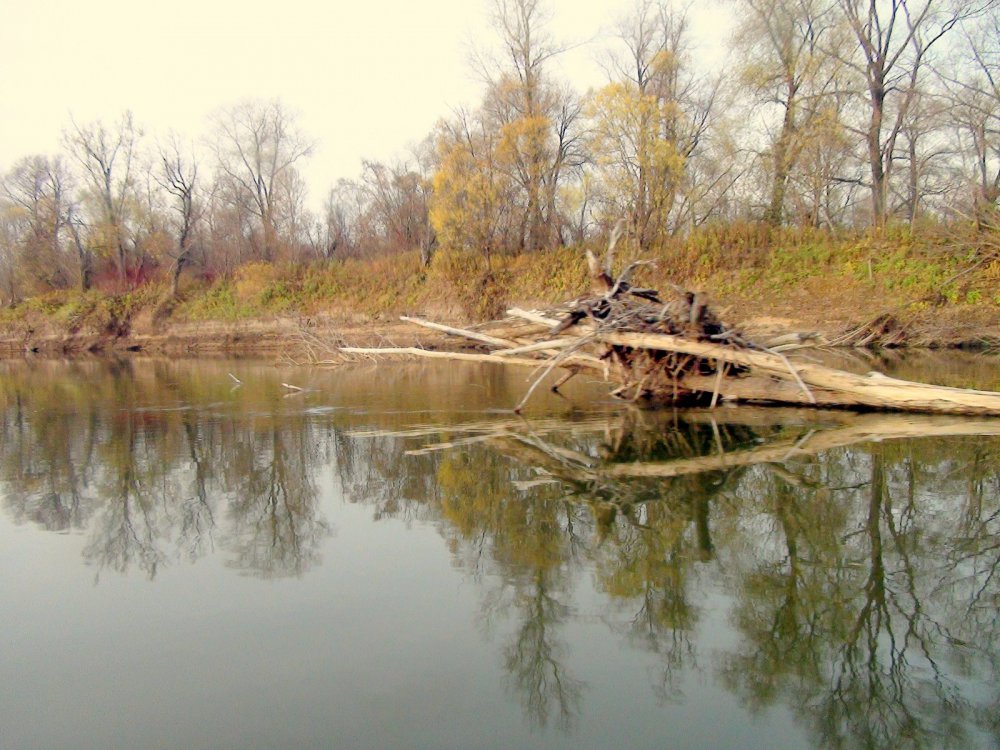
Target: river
195 555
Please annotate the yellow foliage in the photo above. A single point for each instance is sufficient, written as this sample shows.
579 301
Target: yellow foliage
463 209
250 280
523 142
640 167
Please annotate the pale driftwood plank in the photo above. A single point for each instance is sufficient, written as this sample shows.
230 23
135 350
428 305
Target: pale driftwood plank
412 351
463 332
835 387
534 317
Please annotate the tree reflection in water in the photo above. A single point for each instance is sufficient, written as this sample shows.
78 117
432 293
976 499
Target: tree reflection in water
862 576
125 456
853 615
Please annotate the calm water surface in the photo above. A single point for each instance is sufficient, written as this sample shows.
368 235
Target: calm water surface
390 559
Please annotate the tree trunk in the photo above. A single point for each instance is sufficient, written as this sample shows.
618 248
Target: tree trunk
913 194
782 166
83 258
176 277
877 167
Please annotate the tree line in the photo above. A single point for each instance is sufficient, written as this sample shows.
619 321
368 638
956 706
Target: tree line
833 114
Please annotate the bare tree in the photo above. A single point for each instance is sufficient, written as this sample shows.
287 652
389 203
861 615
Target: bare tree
107 156
84 251
651 121
523 105
334 234
9 237
974 96
178 175
926 151
257 144
398 202
569 157
784 64
894 38
294 217
37 188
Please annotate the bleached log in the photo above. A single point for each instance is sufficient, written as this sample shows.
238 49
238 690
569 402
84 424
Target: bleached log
763 388
536 347
412 351
534 317
841 388
463 332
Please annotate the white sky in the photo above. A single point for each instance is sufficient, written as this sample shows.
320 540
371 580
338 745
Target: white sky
367 78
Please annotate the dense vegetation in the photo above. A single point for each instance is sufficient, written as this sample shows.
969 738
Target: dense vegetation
851 143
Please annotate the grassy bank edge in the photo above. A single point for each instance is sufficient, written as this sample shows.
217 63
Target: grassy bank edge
944 289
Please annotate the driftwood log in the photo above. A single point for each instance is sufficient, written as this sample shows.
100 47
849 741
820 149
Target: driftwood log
672 348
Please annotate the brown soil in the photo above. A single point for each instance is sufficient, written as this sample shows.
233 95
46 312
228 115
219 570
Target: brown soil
807 310
272 337
301 338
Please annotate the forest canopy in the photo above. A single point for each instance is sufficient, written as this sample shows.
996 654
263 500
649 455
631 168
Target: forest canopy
832 115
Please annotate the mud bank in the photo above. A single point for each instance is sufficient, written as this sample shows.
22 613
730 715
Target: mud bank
291 338
303 338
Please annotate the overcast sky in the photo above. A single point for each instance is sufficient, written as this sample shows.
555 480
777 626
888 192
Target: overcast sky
366 77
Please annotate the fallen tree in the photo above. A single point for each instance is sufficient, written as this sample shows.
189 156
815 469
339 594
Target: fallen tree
672 348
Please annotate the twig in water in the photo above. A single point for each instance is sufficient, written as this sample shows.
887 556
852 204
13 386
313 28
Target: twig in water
552 365
722 367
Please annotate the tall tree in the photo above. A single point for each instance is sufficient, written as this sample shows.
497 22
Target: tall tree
523 90
397 199
37 189
178 176
10 230
335 232
784 65
107 157
650 120
257 145
472 197
973 86
534 124
894 38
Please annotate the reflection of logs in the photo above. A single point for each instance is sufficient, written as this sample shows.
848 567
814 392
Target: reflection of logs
523 440
866 428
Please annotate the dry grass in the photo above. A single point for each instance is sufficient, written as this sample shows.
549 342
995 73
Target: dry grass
755 275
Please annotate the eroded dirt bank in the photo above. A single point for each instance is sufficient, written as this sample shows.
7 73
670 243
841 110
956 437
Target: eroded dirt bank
304 338
295 338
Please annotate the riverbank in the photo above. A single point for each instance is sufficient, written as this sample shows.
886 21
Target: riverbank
293 336
283 336
903 290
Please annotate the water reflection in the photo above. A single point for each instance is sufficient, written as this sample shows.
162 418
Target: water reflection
125 456
856 556
863 574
